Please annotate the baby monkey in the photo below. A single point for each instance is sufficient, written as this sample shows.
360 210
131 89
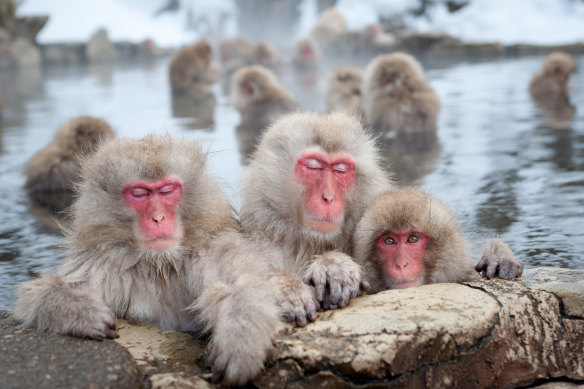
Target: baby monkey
408 238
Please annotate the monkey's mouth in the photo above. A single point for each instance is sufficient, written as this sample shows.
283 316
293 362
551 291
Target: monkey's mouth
403 284
161 243
324 225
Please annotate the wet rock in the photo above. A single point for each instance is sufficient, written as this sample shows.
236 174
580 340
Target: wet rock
31 359
100 48
565 284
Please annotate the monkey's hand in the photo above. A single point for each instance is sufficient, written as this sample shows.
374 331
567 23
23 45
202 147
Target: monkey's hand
336 278
295 298
498 259
50 304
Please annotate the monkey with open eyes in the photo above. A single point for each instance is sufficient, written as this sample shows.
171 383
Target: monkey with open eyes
260 98
153 239
408 238
308 183
397 98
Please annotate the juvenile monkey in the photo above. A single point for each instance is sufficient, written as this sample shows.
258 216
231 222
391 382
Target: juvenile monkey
152 239
408 238
190 69
259 97
397 98
309 181
52 172
344 90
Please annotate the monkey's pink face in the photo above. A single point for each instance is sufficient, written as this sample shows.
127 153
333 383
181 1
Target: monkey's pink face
155 202
402 253
307 54
326 178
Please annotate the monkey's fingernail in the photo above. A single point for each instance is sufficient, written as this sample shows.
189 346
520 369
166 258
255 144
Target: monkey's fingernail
312 316
289 316
301 321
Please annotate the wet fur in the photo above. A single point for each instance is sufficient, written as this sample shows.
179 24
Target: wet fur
344 91
188 70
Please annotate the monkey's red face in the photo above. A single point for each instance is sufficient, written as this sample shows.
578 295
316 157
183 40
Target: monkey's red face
402 253
307 54
155 202
326 178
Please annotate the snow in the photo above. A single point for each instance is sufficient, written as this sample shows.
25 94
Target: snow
516 21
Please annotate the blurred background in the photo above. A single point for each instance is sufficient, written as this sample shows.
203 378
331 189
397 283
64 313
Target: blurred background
507 167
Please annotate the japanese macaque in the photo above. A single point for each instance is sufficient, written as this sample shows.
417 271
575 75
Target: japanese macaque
344 90
549 89
234 53
267 56
190 69
369 41
309 181
329 25
306 56
53 171
153 239
259 97
397 98
408 238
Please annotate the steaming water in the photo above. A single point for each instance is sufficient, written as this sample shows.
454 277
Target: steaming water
499 163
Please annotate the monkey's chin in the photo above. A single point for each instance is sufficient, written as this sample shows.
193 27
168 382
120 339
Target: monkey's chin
323 226
160 244
406 284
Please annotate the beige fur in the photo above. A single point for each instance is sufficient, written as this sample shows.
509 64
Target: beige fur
404 106
447 257
344 90
190 71
329 25
299 62
272 203
213 277
268 99
56 166
551 86
267 56
234 53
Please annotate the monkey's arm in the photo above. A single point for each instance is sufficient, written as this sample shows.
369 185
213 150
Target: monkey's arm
498 259
336 277
51 304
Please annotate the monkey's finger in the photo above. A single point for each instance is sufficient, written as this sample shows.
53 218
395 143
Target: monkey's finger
288 311
95 335
364 286
504 269
335 291
481 265
111 334
319 290
310 308
517 269
300 320
345 296
492 269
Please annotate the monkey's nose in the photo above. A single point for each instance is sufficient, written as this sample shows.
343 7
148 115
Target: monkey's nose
328 197
158 218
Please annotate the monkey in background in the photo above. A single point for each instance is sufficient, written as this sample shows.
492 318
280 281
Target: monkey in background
408 238
152 239
308 183
344 90
52 172
306 56
397 98
259 97
267 56
549 89
234 53
190 70
329 26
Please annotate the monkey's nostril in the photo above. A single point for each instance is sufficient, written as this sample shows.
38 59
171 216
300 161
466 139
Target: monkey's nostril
158 218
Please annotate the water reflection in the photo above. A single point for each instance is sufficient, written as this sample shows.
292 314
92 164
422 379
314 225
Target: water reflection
497 159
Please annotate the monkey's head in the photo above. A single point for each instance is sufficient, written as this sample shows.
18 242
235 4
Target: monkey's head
558 64
311 174
347 80
251 84
406 237
150 196
82 135
305 52
393 73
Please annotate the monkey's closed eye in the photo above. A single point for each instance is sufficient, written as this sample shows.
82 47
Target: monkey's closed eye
139 192
340 167
312 163
413 239
388 240
167 189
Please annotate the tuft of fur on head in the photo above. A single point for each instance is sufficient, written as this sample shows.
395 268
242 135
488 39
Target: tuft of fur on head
272 199
101 222
411 209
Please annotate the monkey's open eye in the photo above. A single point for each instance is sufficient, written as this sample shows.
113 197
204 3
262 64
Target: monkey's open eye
312 163
388 240
139 192
413 239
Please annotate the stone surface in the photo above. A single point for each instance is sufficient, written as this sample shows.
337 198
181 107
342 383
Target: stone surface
31 359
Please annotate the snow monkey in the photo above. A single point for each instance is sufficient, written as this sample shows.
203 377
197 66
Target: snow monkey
408 238
153 239
309 181
397 98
